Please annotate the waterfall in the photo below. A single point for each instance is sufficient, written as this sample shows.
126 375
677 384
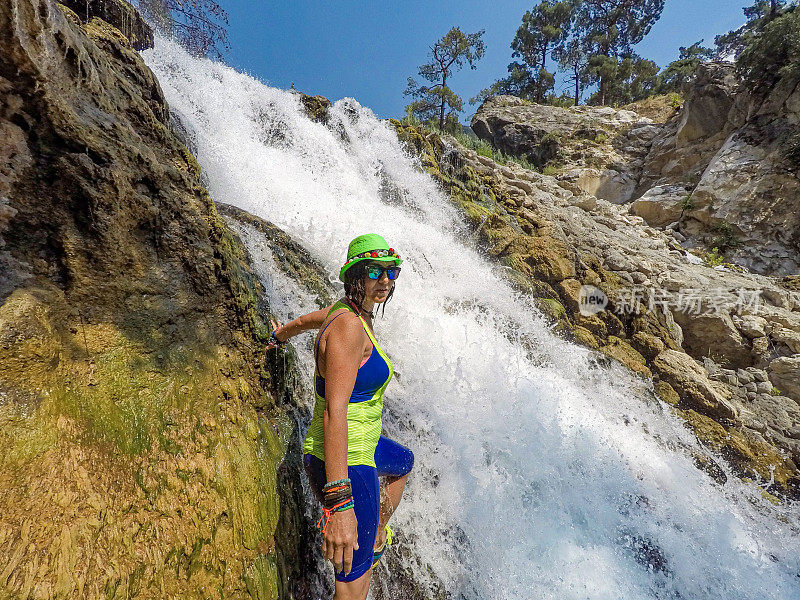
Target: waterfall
542 471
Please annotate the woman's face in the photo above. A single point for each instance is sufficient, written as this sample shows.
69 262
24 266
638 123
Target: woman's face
378 289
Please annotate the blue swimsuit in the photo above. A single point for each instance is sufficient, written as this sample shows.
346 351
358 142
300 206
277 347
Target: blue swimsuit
369 455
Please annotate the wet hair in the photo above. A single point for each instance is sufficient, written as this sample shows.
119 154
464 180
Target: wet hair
354 287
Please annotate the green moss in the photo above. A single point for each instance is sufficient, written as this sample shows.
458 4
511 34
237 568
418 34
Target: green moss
713 258
747 454
552 308
551 170
724 238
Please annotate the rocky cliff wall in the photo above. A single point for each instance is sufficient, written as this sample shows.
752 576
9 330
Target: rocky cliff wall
140 431
719 173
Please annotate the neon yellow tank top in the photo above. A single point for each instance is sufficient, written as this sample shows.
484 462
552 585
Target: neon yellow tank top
364 409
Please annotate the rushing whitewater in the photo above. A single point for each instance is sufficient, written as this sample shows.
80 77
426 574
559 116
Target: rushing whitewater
541 472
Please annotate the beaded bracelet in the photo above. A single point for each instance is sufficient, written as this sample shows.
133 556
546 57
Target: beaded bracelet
331 484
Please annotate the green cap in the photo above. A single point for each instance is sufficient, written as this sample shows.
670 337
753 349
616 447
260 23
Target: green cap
369 246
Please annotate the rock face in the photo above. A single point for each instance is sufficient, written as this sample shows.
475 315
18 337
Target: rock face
575 139
118 13
139 431
728 150
719 172
715 341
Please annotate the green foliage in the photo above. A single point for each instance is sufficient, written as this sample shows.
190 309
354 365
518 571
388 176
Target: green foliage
589 39
714 258
759 15
484 148
772 53
550 170
677 74
448 55
724 237
543 28
563 101
452 126
775 392
627 80
609 28
687 203
573 57
675 100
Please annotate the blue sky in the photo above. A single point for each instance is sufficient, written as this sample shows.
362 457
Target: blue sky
368 49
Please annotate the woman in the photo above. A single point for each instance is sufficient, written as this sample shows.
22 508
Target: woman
344 451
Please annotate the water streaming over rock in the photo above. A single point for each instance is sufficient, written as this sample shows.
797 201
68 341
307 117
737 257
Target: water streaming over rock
542 471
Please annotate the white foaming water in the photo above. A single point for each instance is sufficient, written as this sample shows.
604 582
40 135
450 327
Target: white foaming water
540 472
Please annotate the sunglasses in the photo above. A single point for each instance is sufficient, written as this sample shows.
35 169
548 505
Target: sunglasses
376 272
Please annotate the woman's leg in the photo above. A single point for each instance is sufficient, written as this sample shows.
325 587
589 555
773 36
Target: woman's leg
394 461
391 495
353 590
366 497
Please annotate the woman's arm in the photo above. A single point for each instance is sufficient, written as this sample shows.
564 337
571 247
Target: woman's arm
312 320
342 355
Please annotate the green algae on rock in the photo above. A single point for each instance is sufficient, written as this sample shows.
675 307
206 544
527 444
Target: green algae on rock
140 423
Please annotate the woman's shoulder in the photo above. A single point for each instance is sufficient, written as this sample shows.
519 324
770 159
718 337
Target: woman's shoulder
343 320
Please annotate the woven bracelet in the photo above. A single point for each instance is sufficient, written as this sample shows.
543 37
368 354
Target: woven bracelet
332 500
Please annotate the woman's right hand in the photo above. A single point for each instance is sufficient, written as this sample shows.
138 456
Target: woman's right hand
275 326
341 539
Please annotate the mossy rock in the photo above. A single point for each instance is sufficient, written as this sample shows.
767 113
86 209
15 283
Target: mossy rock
622 351
290 257
317 107
647 323
747 454
140 428
592 323
585 337
666 392
647 344
570 294
553 309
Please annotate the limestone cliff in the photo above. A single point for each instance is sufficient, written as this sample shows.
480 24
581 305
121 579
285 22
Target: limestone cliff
719 173
139 425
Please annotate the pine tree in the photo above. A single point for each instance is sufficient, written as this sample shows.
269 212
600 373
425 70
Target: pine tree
772 54
543 28
448 55
609 28
573 58
677 74
759 15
